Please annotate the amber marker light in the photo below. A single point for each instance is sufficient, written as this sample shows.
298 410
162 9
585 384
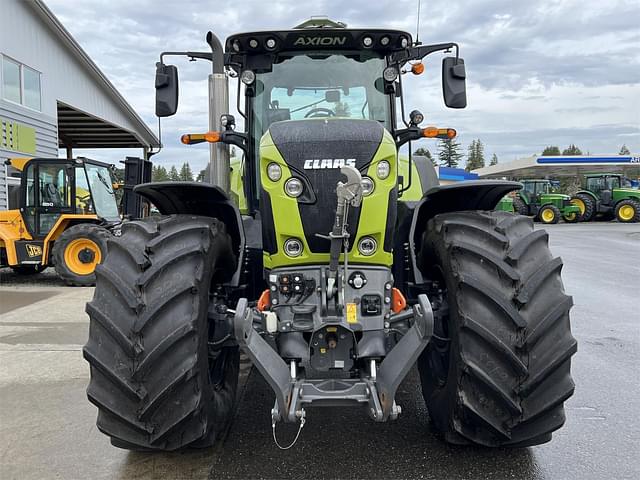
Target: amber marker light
417 68
434 132
193 138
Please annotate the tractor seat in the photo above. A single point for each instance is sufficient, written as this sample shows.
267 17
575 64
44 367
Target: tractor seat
50 194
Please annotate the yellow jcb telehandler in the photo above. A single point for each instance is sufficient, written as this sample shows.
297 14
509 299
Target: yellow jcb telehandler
66 211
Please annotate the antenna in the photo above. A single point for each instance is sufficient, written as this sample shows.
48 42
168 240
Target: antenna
417 42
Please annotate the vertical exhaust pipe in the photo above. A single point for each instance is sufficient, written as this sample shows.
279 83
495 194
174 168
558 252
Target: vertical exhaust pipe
219 166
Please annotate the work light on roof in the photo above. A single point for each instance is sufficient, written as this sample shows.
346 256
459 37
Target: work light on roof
248 77
390 74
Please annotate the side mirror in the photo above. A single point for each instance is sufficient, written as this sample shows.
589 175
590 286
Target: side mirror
453 82
166 90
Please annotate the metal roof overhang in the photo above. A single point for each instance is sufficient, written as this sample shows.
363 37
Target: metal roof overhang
565 166
77 129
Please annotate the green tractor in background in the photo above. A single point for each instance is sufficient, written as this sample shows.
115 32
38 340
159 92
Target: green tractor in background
538 199
604 194
506 204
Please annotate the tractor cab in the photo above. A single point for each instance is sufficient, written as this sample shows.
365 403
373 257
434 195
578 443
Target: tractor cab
602 186
533 189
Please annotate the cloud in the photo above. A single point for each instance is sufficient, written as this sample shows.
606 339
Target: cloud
539 72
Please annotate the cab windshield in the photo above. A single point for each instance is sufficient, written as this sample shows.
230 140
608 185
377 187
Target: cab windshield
319 85
103 196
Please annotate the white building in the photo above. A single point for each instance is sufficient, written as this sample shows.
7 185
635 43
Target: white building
53 96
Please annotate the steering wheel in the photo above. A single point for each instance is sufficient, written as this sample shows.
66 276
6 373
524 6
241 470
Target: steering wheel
327 112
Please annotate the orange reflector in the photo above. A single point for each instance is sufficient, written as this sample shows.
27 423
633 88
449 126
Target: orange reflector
193 138
417 68
264 300
398 302
433 132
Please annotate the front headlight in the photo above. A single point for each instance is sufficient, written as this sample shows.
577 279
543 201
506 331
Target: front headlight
383 169
367 186
293 187
274 172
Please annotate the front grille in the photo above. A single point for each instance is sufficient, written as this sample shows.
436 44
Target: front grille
320 139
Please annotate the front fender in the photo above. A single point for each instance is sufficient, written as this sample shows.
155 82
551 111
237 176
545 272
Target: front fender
466 195
195 198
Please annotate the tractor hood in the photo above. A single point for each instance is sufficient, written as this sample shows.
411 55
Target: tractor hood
314 150
632 192
557 196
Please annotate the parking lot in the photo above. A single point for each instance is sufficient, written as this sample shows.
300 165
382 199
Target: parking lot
47 427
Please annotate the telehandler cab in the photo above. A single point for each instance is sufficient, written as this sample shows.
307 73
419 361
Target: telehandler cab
346 266
66 210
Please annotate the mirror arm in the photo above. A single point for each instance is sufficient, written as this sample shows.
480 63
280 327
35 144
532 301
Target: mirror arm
192 55
421 51
407 135
235 138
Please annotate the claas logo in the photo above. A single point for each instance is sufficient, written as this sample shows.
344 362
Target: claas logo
34 250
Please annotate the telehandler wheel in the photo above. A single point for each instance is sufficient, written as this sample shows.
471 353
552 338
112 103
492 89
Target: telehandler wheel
520 207
498 369
157 382
28 269
78 251
549 214
628 211
587 206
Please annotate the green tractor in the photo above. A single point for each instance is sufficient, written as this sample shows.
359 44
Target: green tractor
604 194
538 199
339 267
506 204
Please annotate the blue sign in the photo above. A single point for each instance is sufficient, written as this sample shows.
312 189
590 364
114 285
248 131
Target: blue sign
587 160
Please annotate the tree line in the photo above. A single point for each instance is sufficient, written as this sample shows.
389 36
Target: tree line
450 153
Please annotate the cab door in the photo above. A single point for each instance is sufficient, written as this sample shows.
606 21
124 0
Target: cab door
48 192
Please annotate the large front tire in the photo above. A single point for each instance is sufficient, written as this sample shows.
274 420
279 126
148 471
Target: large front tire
498 370
628 211
154 379
78 251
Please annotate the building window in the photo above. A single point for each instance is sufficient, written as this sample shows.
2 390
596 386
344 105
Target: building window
21 84
31 88
10 80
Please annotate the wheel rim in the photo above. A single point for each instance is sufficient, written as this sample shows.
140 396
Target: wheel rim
580 204
626 212
570 217
82 255
547 215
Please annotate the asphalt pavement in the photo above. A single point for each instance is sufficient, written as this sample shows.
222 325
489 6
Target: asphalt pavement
47 427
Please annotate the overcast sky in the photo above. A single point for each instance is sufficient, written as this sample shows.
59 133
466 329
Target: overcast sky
539 72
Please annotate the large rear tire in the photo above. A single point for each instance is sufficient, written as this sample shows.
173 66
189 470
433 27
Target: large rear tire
497 372
586 204
154 379
520 207
78 251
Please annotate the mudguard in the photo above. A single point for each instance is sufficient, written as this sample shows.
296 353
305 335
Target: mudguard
195 198
467 195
